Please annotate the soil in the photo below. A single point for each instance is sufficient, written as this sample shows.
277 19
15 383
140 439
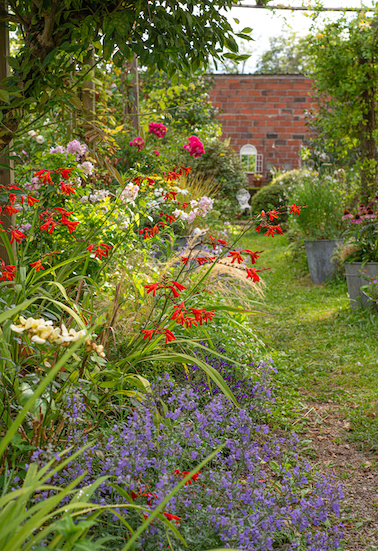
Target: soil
326 439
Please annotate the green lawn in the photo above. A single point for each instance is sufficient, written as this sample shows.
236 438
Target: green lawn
323 351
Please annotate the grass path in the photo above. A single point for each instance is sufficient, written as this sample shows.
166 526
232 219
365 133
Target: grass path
327 377
323 351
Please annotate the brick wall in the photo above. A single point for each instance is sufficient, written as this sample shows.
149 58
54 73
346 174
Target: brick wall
267 111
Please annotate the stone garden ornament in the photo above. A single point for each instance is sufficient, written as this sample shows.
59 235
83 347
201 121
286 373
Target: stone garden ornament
243 196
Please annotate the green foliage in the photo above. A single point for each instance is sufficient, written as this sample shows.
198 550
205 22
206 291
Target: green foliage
275 193
286 55
55 45
322 198
345 70
221 163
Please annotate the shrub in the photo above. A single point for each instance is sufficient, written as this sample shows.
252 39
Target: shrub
222 164
276 193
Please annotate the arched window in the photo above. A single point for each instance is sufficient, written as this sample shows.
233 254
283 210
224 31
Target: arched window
251 160
248 154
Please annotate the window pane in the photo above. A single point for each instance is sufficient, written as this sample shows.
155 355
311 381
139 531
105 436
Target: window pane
249 162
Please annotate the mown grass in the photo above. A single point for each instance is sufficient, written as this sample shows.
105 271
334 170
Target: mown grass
322 350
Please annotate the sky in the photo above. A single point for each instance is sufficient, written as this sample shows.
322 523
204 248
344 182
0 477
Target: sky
266 25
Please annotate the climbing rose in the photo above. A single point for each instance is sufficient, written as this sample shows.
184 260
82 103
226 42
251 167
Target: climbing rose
194 147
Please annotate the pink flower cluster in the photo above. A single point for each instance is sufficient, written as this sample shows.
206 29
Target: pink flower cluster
138 142
158 129
194 147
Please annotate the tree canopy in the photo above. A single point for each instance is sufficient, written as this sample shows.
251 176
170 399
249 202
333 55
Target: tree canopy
345 71
57 37
286 55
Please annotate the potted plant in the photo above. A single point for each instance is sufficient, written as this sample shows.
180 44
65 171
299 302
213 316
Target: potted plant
320 222
361 238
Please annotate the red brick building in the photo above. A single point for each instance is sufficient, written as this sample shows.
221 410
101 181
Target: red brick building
264 115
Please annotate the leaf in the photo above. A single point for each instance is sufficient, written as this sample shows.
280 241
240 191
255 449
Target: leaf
246 30
75 101
4 96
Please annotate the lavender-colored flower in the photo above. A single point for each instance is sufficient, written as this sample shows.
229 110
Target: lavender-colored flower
57 149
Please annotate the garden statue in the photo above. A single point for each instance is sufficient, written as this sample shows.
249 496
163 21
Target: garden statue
243 196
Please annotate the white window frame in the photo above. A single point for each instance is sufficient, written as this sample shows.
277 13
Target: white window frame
250 150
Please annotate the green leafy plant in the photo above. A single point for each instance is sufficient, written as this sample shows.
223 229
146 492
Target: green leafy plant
322 198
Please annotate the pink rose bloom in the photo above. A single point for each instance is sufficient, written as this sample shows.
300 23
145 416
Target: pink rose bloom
155 152
158 129
194 147
138 142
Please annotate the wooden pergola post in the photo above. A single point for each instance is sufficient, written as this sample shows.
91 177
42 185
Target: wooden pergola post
89 90
6 175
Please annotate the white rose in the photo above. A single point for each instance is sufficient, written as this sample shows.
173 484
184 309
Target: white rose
39 139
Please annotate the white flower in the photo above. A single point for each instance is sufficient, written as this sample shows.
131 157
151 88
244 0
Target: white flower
87 168
39 139
84 199
32 133
129 193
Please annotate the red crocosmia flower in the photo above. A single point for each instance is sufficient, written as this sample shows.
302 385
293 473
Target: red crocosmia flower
278 229
169 336
254 255
17 236
63 211
71 226
178 314
133 496
258 228
64 172
184 259
137 180
169 218
294 209
252 274
31 201
37 265
208 315
271 231
44 175
12 198
185 169
48 226
213 241
66 189
90 248
235 256
262 213
152 288
8 273
273 214
9 210
149 497
178 285
205 259
185 206
99 253
172 517
170 195
147 333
